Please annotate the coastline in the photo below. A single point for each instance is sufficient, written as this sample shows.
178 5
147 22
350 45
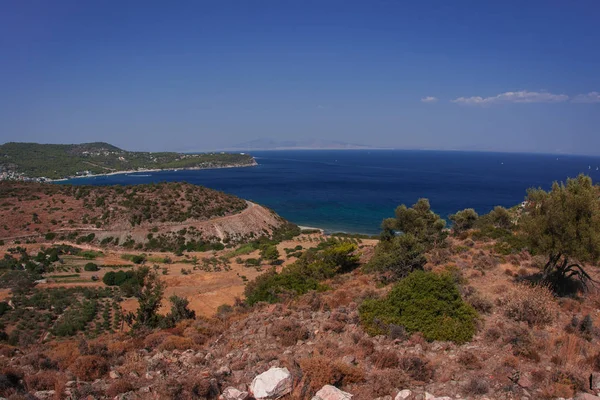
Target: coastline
137 171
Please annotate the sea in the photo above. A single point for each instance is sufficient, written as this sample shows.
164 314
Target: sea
354 190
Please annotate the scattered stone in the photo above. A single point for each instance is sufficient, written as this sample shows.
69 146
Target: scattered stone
586 396
525 381
350 360
44 394
329 392
272 384
224 370
404 395
232 393
114 374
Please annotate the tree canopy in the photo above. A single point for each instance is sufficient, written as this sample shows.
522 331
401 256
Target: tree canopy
564 225
420 221
463 220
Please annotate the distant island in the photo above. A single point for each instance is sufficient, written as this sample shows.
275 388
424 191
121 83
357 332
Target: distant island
40 162
307 144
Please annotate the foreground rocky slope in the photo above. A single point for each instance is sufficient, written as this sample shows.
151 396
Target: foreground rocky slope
320 341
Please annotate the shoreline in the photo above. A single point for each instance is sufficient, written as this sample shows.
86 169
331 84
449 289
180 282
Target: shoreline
149 170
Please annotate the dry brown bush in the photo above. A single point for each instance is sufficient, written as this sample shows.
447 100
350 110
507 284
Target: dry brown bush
383 383
532 304
321 371
37 361
173 342
153 340
289 332
43 380
169 389
570 305
198 387
64 353
386 359
485 261
480 303
469 360
364 348
417 368
557 390
119 386
329 349
334 326
338 298
510 361
594 362
571 350
88 368
477 386
492 334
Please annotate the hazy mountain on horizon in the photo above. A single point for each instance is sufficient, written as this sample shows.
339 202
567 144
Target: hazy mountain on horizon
307 144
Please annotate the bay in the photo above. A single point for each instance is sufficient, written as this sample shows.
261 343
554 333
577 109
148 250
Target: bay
352 191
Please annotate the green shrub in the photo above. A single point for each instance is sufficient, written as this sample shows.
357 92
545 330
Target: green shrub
91 267
90 254
134 258
50 236
397 257
303 275
118 278
422 302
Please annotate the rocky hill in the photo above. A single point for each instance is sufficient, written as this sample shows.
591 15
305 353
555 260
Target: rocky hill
165 216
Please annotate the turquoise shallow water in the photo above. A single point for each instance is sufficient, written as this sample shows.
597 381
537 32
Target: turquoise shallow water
353 191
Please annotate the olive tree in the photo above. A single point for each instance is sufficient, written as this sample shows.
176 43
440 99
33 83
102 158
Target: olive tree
463 220
419 221
564 225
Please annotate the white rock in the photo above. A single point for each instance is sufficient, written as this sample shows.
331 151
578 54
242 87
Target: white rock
429 396
224 370
232 393
272 384
45 394
114 374
329 392
404 395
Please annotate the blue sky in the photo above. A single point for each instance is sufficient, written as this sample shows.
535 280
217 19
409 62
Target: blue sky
201 75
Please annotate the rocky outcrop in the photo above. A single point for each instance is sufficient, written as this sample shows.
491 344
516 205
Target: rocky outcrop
272 384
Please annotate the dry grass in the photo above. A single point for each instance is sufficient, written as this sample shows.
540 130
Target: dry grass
289 332
153 340
469 360
386 359
572 351
535 305
119 386
88 368
173 342
44 380
64 353
321 371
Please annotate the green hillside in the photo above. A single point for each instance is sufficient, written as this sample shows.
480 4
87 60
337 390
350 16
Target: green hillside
55 161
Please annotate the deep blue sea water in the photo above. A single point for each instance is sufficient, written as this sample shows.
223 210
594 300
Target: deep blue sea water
352 191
